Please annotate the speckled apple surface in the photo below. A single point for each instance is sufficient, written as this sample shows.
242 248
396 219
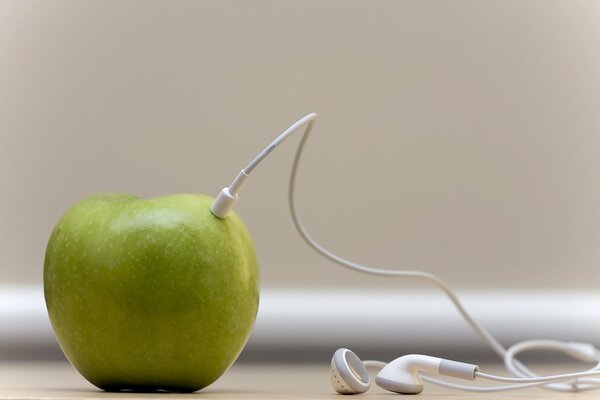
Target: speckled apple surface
150 294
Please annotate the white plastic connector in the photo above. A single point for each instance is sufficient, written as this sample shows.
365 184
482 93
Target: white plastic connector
229 195
223 203
235 186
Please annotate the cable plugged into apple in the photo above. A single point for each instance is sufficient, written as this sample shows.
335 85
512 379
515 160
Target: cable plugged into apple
156 294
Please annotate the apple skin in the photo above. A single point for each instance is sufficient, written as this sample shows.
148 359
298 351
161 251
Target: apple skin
154 294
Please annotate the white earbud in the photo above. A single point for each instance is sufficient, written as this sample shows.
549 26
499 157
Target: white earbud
402 374
349 375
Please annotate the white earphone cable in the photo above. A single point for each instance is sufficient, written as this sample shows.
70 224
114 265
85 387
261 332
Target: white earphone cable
511 362
581 351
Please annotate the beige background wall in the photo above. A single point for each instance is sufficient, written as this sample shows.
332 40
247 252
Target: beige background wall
476 123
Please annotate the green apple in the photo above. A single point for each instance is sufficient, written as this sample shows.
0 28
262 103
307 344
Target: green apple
154 294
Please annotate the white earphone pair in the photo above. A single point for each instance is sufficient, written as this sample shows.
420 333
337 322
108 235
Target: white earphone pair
349 374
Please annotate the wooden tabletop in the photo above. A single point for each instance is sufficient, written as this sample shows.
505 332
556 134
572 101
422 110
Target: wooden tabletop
58 380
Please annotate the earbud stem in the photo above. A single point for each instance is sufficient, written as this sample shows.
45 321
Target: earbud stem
458 369
403 374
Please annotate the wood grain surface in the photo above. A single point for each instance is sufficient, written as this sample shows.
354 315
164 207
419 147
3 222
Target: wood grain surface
58 380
